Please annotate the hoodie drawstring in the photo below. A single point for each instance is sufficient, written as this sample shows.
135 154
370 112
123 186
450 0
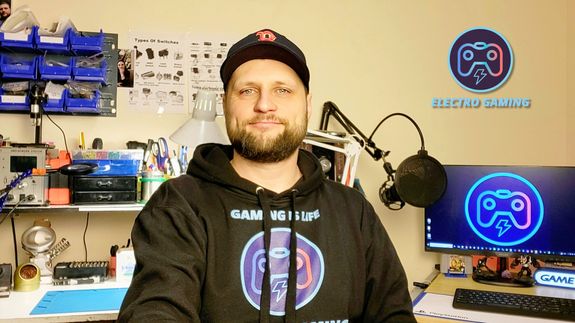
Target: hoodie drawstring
292 276
290 304
265 297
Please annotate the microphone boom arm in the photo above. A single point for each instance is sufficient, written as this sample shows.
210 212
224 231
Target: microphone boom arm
331 110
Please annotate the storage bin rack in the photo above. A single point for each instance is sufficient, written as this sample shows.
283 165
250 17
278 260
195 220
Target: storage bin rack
27 56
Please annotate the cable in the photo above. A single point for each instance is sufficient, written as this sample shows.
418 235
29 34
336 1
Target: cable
61 130
14 227
14 241
84 236
403 115
11 211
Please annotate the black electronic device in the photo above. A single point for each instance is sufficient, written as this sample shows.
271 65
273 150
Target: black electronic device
103 189
524 212
80 269
419 180
515 304
5 279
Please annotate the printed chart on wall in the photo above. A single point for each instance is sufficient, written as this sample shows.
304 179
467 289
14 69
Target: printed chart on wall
160 72
206 55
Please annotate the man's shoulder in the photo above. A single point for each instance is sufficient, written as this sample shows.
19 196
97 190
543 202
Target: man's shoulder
345 191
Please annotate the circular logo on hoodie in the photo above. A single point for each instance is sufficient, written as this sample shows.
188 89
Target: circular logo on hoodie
310 269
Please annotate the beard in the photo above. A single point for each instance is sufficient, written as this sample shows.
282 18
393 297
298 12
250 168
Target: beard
264 149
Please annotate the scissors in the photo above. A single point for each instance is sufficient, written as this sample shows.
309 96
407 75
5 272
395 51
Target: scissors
160 151
183 158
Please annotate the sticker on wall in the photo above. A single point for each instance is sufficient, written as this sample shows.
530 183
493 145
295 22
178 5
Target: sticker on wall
480 60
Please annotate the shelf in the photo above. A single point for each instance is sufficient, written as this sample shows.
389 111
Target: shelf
132 207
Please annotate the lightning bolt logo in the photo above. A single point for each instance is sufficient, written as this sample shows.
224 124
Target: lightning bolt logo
503 225
280 288
480 75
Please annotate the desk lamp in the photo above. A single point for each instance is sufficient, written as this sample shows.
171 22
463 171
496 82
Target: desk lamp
201 127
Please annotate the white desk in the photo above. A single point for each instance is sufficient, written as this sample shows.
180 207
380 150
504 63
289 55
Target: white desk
18 306
446 286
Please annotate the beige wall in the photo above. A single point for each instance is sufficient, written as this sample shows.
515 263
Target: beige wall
570 81
370 57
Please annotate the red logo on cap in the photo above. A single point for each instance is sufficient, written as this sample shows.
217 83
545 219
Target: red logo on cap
265 35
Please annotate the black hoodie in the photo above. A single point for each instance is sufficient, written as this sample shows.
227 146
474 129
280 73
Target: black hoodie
201 241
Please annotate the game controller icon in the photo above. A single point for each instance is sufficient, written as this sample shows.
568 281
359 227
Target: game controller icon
480 54
504 204
279 266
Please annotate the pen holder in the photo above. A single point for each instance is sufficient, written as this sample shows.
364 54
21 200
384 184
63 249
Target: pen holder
150 182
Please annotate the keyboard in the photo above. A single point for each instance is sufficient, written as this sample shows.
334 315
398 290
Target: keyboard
515 304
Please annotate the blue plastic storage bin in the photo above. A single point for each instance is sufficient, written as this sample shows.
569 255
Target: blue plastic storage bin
85 43
113 167
56 105
91 74
82 104
14 102
24 39
122 162
54 44
18 66
55 68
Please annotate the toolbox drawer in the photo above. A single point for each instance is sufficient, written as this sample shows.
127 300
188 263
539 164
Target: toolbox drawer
82 197
104 189
104 183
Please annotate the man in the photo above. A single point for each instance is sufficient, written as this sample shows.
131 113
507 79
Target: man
5 11
253 231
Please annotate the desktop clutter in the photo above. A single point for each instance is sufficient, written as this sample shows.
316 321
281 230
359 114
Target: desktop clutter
38 175
521 271
42 175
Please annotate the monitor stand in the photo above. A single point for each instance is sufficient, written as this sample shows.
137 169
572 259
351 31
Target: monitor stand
501 276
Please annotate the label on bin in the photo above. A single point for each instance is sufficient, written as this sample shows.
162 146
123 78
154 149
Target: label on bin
13 99
16 36
52 40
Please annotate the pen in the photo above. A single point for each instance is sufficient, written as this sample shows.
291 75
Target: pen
83 142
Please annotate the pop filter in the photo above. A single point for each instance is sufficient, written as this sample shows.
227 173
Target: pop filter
420 180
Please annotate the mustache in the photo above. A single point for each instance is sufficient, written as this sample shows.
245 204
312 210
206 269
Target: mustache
271 118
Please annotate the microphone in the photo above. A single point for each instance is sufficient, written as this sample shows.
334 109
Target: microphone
420 180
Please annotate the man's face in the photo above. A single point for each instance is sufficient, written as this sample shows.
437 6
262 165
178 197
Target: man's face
4 10
267 109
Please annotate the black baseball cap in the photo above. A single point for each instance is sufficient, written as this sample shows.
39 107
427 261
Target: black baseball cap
265 44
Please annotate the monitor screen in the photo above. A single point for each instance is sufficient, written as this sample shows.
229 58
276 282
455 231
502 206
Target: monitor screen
505 211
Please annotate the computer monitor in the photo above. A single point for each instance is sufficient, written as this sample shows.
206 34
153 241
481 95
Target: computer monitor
505 211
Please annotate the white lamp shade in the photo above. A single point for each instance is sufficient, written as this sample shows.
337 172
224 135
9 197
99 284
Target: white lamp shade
201 128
